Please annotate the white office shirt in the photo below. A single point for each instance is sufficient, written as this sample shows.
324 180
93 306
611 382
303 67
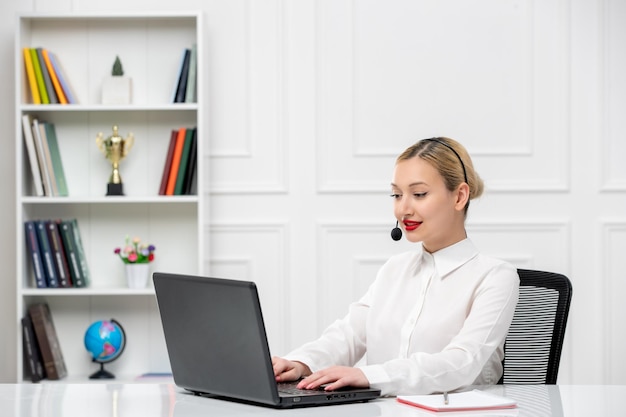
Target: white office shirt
429 323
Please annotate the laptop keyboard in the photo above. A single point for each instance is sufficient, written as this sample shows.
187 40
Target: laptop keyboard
290 388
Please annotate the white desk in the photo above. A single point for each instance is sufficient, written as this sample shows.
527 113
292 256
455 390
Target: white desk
167 400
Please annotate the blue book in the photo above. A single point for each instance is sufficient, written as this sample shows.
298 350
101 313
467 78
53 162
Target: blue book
49 266
32 245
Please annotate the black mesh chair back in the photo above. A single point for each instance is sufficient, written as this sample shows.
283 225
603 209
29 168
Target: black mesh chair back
532 350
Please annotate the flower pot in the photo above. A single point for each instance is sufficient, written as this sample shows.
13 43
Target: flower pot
137 275
116 90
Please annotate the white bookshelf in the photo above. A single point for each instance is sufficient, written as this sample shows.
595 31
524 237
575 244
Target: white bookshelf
150 47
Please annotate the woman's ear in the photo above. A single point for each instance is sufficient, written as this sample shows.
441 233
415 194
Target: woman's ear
462 196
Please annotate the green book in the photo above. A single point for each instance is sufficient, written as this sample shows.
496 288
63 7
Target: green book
66 230
179 189
39 77
55 156
80 250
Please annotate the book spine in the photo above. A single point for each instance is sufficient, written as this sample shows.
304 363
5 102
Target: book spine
32 354
53 77
58 253
55 158
80 250
48 341
65 85
41 155
46 150
32 243
168 163
30 75
184 160
182 82
46 255
190 93
67 237
39 77
52 96
178 151
32 155
191 167
179 74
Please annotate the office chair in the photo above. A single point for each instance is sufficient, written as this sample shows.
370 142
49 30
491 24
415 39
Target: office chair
532 349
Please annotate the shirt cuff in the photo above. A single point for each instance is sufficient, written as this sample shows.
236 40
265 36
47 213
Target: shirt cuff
377 377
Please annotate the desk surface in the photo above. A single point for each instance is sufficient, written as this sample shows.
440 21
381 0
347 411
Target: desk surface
167 400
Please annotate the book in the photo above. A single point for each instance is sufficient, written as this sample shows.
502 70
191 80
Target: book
53 77
178 75
168 162
190 93
182 80
461 401
30 75
41 86
55 158
184 161
48 341
63 80
41 156
80 250
49 267
33 159
58 254
32 247
178 151
66 230
191 167
43 136
52 95
32 354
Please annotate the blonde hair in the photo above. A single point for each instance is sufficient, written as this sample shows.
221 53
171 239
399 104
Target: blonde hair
451 160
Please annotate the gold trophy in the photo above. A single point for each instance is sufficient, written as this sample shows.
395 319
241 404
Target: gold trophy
115 148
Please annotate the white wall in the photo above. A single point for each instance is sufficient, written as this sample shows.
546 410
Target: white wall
310 101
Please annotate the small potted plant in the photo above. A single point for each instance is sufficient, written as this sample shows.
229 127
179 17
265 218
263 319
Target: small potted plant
117 89
136 257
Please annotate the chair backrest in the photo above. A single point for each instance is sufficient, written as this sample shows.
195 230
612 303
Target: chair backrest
532 350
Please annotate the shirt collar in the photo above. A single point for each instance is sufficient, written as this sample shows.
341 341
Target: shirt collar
448 259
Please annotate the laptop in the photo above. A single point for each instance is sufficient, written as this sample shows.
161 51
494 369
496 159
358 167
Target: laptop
217 345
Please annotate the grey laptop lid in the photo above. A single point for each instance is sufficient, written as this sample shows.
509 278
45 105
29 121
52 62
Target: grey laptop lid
217 344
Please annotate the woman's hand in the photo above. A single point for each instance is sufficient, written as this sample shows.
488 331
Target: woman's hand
285 370
334 378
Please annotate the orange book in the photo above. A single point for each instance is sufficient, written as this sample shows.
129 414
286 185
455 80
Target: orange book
54 78
30 73
178 151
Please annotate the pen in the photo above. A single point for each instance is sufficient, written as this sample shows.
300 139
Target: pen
445 398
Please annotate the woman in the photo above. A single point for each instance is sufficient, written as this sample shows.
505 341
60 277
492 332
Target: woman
435 319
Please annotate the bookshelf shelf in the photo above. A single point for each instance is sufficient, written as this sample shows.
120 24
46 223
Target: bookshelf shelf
150 46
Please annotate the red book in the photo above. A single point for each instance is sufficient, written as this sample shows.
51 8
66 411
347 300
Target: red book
178 151
168 163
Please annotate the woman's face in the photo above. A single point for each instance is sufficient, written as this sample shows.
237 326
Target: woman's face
426 209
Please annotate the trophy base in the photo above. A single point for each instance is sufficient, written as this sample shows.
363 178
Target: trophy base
115 189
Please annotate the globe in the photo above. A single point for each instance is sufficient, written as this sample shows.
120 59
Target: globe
105 341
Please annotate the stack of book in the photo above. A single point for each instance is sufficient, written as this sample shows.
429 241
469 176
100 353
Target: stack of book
185 86
44 157
178 176
56 253
42 351
47 81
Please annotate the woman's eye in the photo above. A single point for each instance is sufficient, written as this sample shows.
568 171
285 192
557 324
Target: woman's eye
396 196
419 195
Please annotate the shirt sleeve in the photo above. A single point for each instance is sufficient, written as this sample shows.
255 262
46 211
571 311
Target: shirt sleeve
461 362
342 343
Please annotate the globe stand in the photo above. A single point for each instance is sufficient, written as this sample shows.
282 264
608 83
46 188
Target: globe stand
102 373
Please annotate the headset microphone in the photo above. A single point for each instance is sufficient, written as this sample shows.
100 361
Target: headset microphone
396 232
